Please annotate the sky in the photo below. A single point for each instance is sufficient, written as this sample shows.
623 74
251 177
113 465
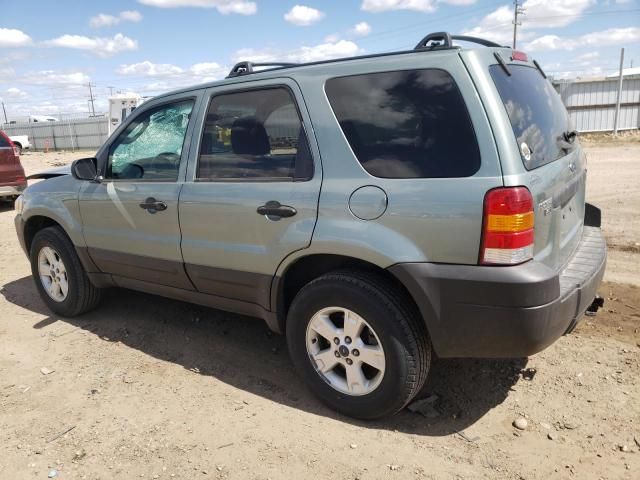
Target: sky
50 51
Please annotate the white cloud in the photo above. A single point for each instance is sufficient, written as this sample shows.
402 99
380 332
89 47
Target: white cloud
6 73
55 78
498 26
459 3
323 51
553 13
303 16
386 5
103 20
106 20
589 56
14 92
131 16
242 7
100 46
208 71
149 69
611 36
10 37
167 76
362 29
495 26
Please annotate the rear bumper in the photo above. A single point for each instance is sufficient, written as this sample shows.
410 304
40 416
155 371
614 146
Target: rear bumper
12 189
474 311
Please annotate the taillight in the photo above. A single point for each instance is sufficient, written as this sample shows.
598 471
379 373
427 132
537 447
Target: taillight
507 228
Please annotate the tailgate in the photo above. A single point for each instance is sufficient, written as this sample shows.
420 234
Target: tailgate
554 168
559 196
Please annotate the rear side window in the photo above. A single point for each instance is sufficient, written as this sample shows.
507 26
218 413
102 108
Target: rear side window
406 124
537 115
254 135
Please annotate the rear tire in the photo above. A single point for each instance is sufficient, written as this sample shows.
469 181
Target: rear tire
391 326
59 275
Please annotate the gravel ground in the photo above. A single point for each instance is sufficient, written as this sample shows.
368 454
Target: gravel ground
146 387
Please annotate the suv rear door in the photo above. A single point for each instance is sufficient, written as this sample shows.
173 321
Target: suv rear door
252 191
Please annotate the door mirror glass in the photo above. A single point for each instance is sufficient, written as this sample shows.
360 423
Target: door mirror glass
85 169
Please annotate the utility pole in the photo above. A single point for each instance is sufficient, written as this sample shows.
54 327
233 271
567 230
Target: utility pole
5 113
517 10
91 99
111 91
617 113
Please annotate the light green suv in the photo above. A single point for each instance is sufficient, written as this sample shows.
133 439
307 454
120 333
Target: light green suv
379 210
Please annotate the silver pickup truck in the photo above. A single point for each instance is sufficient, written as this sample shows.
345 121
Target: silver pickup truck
379 210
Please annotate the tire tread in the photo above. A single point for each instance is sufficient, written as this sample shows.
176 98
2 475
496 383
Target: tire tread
418 354
88 296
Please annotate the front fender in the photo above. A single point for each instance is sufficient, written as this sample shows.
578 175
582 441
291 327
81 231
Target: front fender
57 199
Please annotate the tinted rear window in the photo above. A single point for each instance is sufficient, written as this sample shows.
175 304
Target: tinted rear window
406 124
537 115
3 141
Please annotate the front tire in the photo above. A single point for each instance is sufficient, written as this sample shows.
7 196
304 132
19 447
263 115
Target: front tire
59 276
359 343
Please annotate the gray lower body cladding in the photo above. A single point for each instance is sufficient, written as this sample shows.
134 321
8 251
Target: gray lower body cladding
504 312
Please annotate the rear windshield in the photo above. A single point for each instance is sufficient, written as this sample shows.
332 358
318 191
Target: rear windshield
537 115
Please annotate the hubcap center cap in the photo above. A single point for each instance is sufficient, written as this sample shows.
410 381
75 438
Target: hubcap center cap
344 351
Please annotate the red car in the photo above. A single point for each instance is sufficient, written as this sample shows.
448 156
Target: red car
12 179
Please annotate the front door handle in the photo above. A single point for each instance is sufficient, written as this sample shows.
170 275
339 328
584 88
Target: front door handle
274 209
152 205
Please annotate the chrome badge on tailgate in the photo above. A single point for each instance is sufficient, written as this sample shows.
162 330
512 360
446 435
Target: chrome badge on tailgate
546 206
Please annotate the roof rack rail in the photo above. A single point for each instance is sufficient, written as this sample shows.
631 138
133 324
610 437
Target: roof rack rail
444 40
245 68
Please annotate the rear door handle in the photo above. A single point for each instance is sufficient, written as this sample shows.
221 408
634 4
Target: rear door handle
152 205
274 209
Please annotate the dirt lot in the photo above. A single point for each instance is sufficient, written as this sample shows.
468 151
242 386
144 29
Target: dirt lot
146 387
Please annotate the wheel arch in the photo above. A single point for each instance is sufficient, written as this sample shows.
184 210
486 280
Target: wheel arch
306 268
36 223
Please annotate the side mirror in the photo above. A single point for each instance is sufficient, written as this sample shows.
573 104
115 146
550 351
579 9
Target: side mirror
85 169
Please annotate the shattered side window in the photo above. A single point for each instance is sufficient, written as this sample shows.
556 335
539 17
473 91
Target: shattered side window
150 147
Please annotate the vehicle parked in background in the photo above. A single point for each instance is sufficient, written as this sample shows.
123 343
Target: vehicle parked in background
378 210
42 118
12 178
21 142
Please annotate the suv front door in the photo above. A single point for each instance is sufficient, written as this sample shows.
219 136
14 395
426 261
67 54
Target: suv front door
130 219
253 194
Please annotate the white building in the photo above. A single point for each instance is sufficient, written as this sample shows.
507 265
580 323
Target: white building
120 106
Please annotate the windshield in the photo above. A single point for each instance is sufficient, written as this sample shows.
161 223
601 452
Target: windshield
539 119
